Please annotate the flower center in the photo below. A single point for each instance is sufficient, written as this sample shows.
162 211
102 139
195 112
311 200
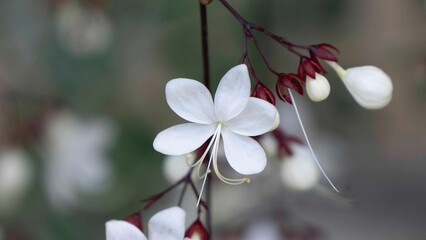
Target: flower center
214 147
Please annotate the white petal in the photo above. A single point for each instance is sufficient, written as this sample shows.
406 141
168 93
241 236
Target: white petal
168 224
317 89
258 117
244 154
191 100
370 86
122 230
232 93
183 138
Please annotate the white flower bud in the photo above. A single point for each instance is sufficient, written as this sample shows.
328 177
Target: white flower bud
369 85
299 171
317 89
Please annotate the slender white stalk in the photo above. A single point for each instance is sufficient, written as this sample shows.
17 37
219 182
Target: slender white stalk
308 142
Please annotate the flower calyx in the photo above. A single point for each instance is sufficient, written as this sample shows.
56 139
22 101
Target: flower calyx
196 231
308 67
288 81
323 51
263 92
135 219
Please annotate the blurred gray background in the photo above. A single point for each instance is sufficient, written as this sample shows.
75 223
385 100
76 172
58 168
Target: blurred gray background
111 59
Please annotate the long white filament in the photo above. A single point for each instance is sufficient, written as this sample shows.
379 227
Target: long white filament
213 157
308 142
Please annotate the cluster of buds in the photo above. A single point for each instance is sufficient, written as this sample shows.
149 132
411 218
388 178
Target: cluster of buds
369 85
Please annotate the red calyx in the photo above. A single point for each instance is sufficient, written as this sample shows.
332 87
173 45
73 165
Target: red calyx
135 219
286 82
308 67
324 51
283 92
263 92
197 228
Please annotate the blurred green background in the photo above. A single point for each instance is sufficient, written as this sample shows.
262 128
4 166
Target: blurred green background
105 59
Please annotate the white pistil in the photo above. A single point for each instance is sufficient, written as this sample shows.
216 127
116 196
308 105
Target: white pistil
309 143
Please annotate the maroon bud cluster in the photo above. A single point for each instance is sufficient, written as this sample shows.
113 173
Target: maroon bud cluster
309 64
263 92
135 219
197 229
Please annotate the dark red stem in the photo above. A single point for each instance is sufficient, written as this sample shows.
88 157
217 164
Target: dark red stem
206 71
248 33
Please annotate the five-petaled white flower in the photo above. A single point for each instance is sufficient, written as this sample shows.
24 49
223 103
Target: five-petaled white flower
233 116
168 224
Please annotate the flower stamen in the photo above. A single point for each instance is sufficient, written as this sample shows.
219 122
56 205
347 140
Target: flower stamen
226 180
213 157
309 143
200 161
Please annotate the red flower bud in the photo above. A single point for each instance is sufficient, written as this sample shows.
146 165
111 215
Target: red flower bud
263 92
135 219
197 229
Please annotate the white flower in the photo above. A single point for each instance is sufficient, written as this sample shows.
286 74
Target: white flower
317 89
76 158
299 171
369 85
168 224
234 116
15 178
